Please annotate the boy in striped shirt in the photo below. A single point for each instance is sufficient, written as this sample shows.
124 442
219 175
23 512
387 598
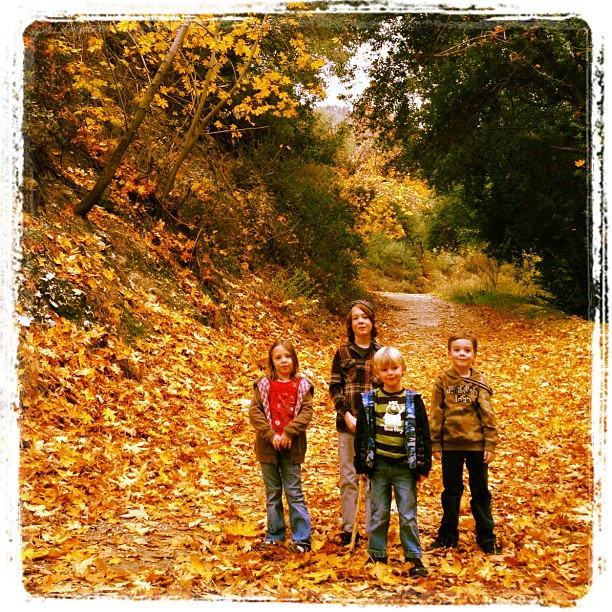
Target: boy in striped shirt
393 448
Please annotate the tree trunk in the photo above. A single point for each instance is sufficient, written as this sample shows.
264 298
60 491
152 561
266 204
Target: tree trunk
93 197
181 155
197 126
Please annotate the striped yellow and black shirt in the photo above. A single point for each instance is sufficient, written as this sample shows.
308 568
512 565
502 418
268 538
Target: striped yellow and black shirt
390 411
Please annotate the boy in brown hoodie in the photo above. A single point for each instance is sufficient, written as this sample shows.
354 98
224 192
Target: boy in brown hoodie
464 430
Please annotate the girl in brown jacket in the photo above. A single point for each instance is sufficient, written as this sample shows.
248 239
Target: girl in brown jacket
280 412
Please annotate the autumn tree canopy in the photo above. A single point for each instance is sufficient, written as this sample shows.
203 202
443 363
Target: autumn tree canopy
492 115
239 91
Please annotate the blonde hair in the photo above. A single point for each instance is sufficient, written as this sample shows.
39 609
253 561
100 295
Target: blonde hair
387 355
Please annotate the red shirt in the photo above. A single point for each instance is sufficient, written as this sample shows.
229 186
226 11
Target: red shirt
283 397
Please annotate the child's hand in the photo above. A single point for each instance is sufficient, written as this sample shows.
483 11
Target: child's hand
276 442
488 457
437 455
351 421
285 441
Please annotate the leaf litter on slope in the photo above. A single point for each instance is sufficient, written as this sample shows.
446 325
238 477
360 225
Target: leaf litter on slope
142 482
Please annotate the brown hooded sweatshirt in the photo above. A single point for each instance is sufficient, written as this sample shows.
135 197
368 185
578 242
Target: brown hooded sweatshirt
461 416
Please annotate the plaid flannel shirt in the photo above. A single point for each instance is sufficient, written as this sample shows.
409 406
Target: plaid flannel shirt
351 375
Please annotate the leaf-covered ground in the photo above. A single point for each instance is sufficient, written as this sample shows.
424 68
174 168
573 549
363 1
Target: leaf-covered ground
137 471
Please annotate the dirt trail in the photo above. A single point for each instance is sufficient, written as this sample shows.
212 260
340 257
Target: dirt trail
420 310
409 318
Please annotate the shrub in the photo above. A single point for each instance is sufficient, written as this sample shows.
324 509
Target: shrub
394 258
476 278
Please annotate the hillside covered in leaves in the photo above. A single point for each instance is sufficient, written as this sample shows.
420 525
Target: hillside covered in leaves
137 473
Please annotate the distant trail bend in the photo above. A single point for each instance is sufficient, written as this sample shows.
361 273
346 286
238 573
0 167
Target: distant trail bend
423 319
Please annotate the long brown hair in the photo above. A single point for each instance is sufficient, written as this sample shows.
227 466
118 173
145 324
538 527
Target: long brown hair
366 309
288 346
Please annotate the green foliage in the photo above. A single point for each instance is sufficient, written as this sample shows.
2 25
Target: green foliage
471 277
450 224
295 284
394 258
315 229
309 226
495 111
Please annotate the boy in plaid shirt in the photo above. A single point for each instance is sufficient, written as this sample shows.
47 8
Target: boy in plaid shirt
351 375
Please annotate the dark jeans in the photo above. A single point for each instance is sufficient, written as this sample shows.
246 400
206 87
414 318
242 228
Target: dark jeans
452 479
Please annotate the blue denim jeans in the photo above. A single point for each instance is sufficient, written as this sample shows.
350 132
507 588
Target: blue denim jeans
402 479
288 476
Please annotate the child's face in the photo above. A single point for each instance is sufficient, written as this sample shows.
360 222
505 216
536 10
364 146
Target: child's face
283 362
360 322
390 375
462 355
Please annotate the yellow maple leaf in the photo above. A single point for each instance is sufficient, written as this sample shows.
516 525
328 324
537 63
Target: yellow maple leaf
198 566
86 418
246 529
454 567
109 415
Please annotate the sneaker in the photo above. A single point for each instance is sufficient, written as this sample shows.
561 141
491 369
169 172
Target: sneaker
372 560
437 543
269 544
490 548
298 548
345 538
417 569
